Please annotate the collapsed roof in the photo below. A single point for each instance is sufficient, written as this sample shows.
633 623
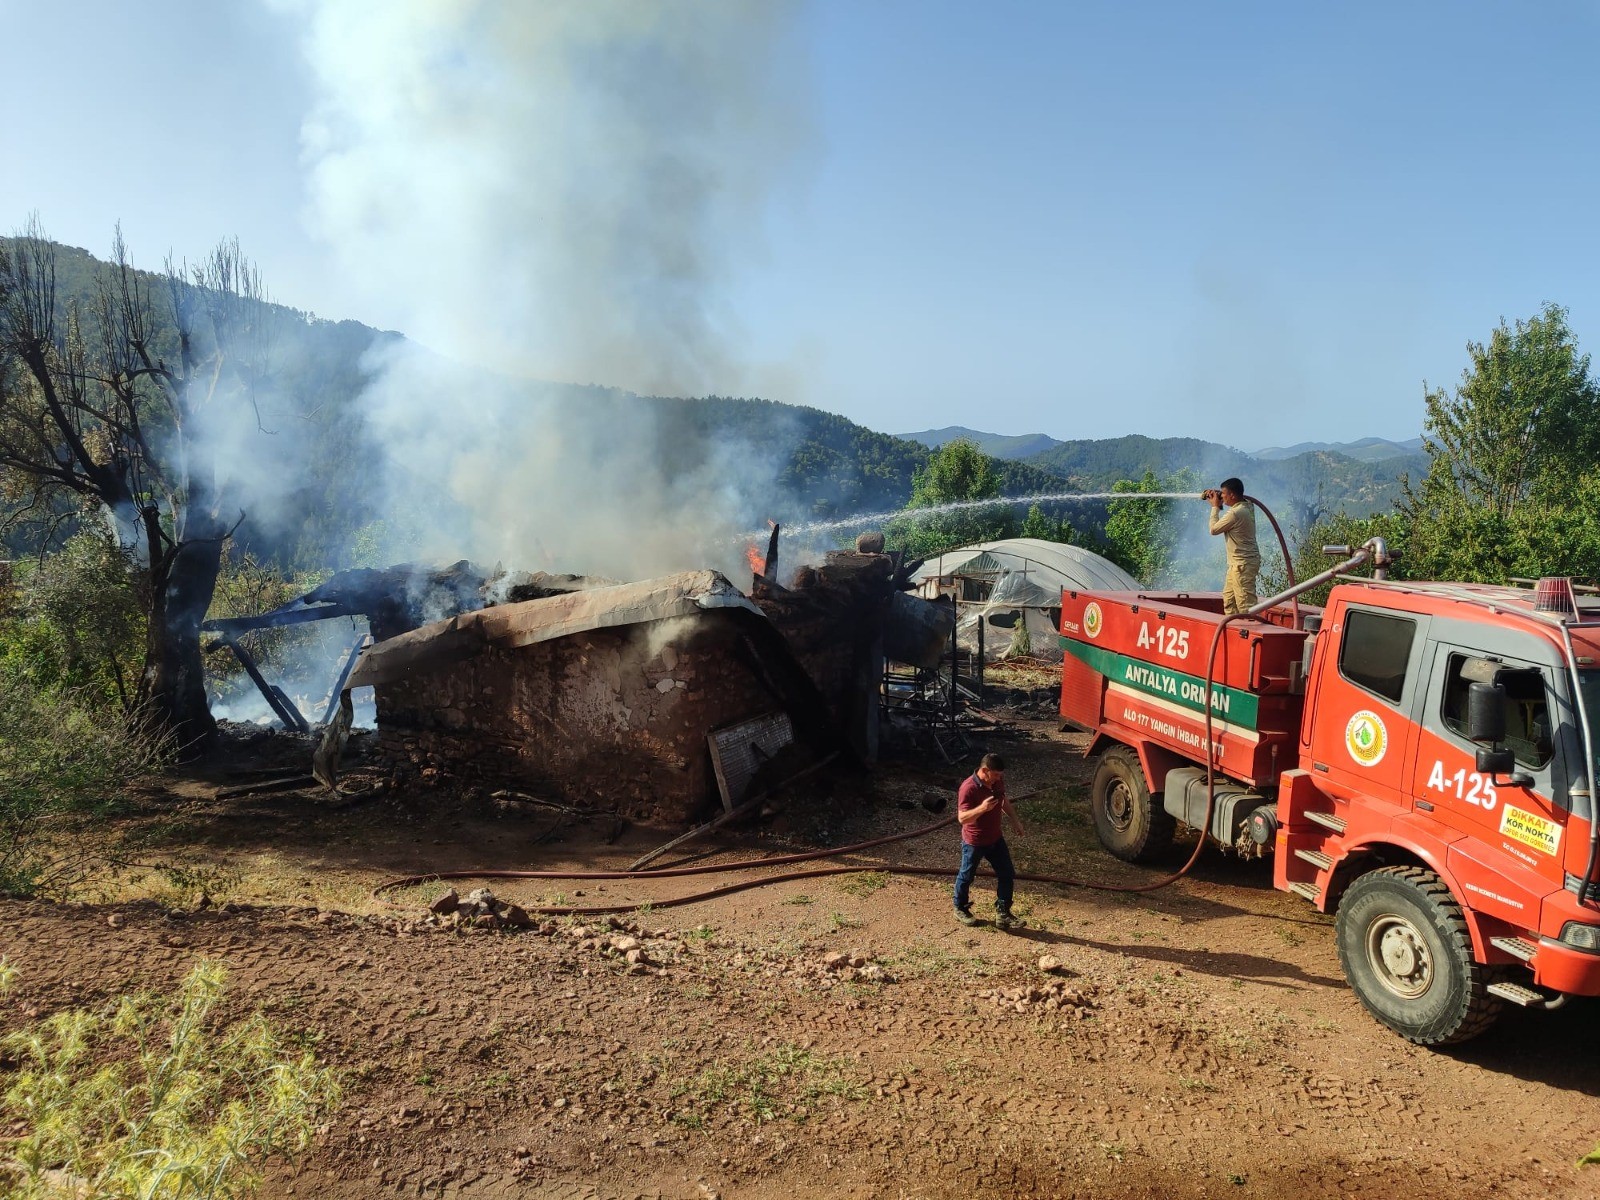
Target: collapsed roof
545 618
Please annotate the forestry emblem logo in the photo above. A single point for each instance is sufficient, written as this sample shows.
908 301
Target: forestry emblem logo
1092 620
1366 738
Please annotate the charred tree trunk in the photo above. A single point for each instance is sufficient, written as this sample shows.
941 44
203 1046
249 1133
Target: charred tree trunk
174 676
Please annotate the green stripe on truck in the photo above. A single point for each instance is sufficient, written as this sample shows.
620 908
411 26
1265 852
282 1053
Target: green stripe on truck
1234 705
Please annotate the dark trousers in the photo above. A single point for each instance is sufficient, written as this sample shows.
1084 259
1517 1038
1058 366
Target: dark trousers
998 855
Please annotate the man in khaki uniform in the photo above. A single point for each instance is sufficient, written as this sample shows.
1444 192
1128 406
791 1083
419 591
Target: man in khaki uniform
1238 527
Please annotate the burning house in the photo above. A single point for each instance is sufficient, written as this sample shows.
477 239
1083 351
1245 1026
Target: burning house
604 693
655 698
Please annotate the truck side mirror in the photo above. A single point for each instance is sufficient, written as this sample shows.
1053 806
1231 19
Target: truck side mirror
1486 714
1495 763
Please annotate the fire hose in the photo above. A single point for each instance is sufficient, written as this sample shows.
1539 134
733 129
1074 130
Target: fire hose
564 910
561 910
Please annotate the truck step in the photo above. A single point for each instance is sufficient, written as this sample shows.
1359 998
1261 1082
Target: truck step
1316 858
1517 994
1326 820
1306 891
1516 947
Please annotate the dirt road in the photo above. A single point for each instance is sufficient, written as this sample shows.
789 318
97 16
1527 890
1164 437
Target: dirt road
828 1037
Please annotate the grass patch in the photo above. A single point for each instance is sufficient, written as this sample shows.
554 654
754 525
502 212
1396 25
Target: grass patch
787 1083
926 959
151 1098
863 884
968 1069
1061 805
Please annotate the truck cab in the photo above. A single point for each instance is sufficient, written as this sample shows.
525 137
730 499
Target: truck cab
1444 737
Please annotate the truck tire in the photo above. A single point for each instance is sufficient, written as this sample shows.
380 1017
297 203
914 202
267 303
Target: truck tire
1128 820
1406 951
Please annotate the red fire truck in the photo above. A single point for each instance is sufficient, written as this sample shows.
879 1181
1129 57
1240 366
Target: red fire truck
1417 757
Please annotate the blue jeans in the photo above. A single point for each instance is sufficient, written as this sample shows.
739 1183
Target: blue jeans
1005 875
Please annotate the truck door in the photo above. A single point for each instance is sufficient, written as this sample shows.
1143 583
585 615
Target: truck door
1363 733
1521 820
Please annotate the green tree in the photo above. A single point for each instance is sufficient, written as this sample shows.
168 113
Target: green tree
1139 536
954 472
1511 460
75 621
61 760
957 473
1050 529
1340 529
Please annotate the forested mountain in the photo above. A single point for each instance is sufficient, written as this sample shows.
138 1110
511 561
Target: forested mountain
995 445
832 466
1358 478
1333 482
814 464
1366 450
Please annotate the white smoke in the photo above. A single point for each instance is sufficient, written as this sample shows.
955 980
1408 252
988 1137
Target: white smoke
532 477
560 190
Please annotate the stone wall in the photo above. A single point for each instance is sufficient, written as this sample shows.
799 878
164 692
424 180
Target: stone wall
614 717
832 620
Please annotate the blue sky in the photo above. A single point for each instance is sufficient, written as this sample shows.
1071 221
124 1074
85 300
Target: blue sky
1254 223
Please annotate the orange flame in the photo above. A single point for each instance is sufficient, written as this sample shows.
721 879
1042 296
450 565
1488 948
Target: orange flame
757 557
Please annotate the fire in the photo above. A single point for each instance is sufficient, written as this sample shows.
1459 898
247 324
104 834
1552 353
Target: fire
756 556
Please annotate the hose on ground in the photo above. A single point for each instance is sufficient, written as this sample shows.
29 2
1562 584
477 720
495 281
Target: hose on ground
565 910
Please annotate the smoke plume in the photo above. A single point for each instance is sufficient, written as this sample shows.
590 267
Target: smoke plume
553 191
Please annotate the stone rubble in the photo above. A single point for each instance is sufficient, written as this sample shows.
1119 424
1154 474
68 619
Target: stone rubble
639 949
1054 996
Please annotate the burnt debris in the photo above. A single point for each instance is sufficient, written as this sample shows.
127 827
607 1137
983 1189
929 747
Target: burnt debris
656 698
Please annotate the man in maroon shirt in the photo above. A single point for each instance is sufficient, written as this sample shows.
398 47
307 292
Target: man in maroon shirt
979 807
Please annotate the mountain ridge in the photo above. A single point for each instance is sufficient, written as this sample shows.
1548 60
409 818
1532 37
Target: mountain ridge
1026 446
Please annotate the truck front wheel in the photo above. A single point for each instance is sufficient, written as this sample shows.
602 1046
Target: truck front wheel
1128 820
1406 951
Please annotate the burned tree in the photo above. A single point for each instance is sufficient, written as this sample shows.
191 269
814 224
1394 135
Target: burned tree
106 398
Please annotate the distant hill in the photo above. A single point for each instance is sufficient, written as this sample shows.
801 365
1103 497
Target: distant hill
1366 450
1318 479
995 445
822 465
834 466
1359 477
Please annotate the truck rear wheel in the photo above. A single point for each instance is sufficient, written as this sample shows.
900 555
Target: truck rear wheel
1406 951
1128 820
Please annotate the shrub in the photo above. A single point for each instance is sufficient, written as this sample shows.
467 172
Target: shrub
58 757
77 621
152 1100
